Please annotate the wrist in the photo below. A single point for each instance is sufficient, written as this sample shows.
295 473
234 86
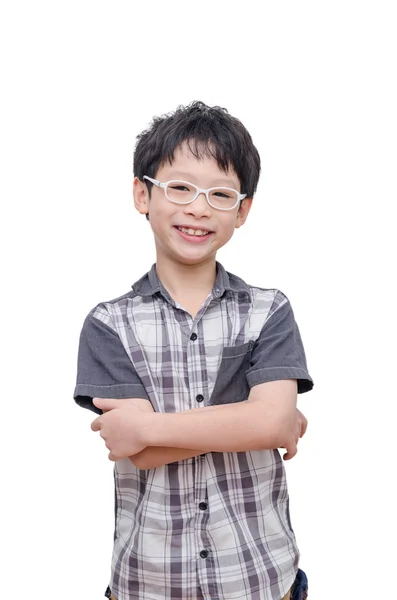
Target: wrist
149 428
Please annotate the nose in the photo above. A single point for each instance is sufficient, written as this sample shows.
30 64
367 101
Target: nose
199 207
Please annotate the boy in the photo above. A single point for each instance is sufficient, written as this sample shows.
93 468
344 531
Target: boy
196 375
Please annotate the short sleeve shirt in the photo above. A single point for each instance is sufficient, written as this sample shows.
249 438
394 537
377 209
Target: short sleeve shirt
216 526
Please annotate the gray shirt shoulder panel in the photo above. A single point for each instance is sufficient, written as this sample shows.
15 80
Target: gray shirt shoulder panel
104 369
278 352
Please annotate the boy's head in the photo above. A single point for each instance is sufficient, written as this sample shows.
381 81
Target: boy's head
208 131
204 146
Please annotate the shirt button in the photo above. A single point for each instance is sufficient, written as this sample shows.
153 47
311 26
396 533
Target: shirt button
193 337
203 506
199 398
204 553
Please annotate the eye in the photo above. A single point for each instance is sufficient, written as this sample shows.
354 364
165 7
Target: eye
180 188
222 195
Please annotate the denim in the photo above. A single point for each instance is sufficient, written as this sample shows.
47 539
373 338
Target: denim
300 587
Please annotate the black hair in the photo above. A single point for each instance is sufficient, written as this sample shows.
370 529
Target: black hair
207 131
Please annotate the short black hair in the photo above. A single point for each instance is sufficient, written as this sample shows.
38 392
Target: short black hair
207 131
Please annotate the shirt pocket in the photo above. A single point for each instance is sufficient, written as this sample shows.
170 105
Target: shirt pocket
231 383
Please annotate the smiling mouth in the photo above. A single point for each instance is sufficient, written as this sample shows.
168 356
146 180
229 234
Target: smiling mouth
194 232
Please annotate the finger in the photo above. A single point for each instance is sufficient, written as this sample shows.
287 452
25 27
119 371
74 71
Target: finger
103 436
291 451
289 455
144 405
96 425
106 403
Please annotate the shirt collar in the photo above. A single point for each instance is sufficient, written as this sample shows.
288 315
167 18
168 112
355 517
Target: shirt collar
150 283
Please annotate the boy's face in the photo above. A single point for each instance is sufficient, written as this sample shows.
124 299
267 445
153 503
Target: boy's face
167 217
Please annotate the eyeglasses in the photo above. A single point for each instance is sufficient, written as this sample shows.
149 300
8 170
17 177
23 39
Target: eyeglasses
183 192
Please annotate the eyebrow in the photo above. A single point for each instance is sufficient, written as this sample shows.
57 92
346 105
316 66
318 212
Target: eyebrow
186 177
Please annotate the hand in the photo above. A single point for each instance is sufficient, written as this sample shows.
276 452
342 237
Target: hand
142 404
122 426
299 430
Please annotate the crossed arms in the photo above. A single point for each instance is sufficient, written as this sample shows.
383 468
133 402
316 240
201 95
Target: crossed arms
267 419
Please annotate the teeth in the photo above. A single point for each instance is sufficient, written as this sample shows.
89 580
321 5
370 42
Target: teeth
198 232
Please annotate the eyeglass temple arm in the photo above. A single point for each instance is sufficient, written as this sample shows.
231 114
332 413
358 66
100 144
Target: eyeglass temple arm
154 181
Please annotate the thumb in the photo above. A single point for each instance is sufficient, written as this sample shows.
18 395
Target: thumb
106 403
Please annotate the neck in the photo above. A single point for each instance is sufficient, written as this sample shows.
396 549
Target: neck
179 279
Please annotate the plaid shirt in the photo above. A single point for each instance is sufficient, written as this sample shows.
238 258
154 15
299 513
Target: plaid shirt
215 526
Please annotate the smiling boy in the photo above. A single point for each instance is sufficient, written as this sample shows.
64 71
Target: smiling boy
195 374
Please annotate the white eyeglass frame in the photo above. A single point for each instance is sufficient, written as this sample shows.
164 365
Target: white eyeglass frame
198 192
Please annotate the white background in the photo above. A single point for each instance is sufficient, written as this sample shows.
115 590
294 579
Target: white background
315 84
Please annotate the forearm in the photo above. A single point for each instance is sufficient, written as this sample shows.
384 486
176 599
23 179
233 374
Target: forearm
157 456
228 428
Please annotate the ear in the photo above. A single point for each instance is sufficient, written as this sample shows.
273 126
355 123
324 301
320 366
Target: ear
141 196
243 212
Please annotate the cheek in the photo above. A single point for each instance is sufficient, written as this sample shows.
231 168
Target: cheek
227 227
160 218
156 210
157 225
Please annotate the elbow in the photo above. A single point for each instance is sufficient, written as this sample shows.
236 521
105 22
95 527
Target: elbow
286 430
279 438
140 462
277 433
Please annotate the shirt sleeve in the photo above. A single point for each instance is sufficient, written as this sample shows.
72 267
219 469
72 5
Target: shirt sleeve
278 352
104 369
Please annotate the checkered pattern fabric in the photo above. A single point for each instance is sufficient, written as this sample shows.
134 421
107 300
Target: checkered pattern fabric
217 526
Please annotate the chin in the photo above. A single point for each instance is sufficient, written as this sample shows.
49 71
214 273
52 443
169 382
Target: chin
195 260
191 262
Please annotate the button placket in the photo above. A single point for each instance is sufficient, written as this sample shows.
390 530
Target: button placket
200 494
194 354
